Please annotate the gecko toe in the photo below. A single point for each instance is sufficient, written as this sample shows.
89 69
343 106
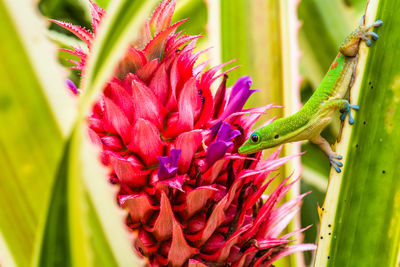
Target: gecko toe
338 163
377 23
343 116
338 170
355 107
351 120
373 35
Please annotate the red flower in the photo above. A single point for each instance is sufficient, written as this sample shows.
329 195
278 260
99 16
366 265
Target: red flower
172 149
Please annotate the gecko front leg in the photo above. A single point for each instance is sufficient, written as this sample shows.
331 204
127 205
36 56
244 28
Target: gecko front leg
345 107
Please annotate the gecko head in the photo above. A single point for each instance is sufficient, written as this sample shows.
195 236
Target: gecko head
266 137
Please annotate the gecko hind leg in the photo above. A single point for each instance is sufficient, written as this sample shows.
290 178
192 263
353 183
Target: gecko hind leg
334 159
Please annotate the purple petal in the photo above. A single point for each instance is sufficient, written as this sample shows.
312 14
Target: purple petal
243 82
239 95
215 128
218 148
216 151
71 86
226 133
168 165
175 154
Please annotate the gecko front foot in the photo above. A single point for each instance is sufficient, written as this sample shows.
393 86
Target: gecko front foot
347 110
334 161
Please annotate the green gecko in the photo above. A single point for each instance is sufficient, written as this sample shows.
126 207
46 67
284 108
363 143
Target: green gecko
312 118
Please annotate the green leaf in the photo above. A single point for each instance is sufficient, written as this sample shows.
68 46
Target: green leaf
262 35
360 223
56 206
56 244
97 230
196 11
73 11
321 34
32 128
95 235
84 226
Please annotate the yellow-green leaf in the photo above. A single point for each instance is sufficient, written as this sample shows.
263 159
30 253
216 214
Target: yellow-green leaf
262 35
35 115
362 209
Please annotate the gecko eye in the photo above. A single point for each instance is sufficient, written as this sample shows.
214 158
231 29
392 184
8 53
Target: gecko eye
254 138
276 136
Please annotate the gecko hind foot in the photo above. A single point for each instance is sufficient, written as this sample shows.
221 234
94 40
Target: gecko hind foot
346 111
334 161
365 33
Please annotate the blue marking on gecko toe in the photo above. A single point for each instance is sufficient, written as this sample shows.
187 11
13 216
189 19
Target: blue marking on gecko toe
355 107
374 36
377 23
351 120
338 163
366 36
343 116
345 112
338 170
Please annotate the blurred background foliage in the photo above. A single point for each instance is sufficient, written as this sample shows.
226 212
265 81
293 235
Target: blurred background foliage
251 31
